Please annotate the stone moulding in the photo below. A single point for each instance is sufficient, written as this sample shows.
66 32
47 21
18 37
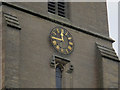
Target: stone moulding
12 21
107 52
107 67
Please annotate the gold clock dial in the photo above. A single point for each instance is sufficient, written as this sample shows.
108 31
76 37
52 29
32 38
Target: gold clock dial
62 40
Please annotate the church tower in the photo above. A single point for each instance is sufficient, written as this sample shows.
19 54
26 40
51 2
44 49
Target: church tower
56 45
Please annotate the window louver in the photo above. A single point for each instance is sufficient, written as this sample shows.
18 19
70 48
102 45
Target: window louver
51 7
61 9
58 8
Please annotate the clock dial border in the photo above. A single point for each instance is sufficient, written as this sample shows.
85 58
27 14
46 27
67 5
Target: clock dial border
70 47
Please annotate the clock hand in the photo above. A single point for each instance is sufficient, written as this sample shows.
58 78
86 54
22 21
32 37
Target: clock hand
62 34
57 38
62 37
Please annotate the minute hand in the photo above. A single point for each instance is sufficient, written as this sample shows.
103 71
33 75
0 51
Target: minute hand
57 38
62 35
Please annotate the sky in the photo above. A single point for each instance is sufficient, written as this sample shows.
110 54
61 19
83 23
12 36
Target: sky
112 7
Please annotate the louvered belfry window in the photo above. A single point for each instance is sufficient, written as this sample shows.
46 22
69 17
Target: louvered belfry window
58 8
51 7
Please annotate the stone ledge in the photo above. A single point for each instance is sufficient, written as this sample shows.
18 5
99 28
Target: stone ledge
107 52
12 21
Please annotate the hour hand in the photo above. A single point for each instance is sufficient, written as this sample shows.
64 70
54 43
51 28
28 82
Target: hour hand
57 38
62 35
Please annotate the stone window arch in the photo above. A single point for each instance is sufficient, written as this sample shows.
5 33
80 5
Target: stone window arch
62 68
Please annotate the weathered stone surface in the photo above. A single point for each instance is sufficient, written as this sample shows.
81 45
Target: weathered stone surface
29 51
110 73
12 58
86 15
11 46
0 48
108 67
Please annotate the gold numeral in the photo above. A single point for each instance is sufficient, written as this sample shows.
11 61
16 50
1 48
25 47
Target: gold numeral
67 50
62 50
58 30
66 33
69 47
70 43
69 38
57 47
54 33
54 42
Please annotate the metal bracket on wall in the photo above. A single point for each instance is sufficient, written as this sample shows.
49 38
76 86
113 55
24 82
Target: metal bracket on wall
12 21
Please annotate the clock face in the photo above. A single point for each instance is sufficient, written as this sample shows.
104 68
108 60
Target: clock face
62 40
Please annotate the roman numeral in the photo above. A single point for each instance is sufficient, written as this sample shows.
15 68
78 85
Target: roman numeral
58 30
69 38
70 43
69 47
